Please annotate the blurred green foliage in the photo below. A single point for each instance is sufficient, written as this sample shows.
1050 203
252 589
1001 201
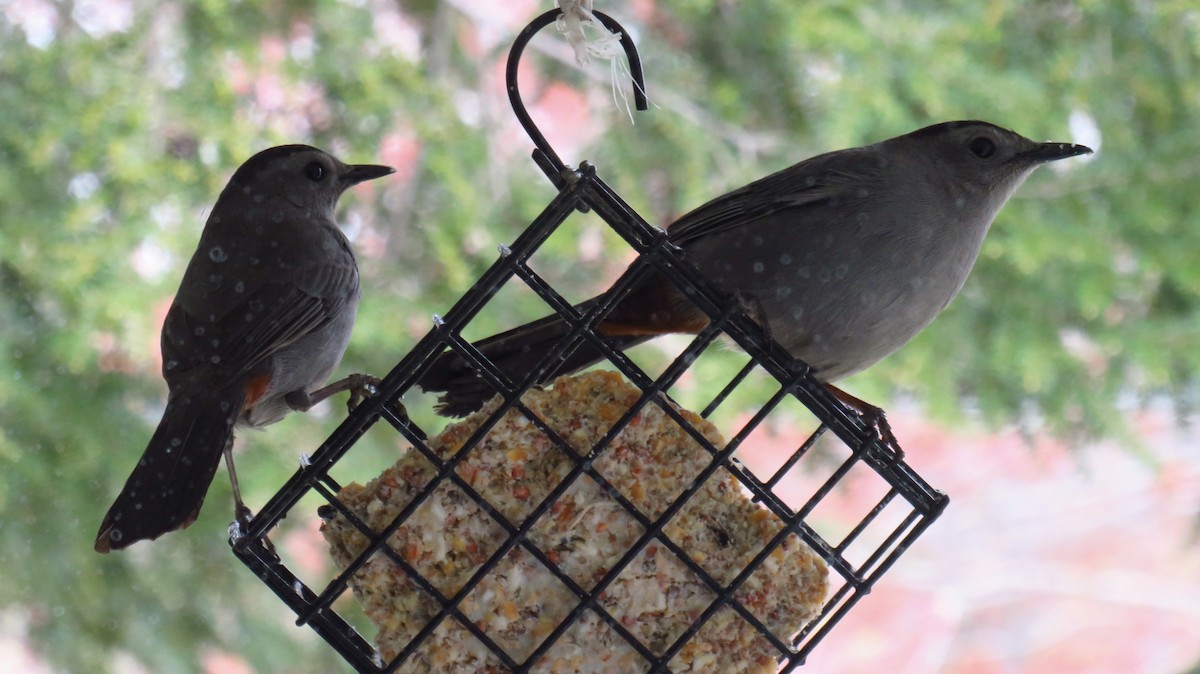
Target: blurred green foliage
123 119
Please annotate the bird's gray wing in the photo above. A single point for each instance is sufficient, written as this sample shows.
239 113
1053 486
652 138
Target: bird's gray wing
270 317
823 180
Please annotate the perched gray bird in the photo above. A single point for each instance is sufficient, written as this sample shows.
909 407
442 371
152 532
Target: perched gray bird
845 256
261 319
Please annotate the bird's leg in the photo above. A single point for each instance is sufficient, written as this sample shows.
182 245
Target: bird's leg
360 386
240 512
872 415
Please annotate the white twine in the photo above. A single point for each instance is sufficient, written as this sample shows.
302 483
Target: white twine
576 17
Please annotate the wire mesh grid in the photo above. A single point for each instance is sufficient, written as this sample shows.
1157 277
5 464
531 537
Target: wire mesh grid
899 507
918 503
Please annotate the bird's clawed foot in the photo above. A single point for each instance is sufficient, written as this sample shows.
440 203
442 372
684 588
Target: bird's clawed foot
240 526
361 387
873 416
877 420
753 307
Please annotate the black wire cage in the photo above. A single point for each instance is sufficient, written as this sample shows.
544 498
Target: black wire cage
841 448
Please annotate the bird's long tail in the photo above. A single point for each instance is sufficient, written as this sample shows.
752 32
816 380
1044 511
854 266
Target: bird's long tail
516 353
167 487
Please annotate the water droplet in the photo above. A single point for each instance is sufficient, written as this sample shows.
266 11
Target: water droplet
505 251
276 217
217 254
199 330
438 321
758 267
215 359
239 287
785 259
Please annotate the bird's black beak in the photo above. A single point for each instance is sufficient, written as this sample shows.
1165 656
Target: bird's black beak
1045 152
362 172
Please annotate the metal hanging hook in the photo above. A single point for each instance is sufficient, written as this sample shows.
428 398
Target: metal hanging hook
544 155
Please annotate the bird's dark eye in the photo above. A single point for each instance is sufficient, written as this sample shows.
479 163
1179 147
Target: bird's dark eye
314 171
982 147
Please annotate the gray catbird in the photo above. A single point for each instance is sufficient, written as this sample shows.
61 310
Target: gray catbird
262 317
845 256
